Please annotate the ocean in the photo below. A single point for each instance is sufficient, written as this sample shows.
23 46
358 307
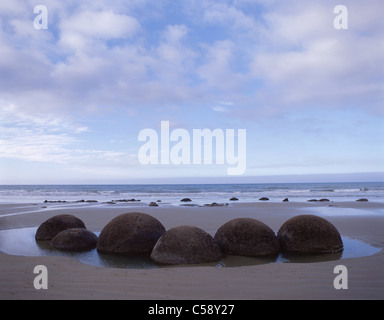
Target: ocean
199 193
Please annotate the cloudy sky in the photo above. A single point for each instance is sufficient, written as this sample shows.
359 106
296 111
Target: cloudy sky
74 97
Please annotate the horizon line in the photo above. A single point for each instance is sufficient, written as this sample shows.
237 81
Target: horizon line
361 177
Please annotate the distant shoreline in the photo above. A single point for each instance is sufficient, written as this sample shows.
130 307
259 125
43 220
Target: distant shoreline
200 194
15 209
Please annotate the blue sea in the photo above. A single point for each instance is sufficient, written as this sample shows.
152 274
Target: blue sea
198 193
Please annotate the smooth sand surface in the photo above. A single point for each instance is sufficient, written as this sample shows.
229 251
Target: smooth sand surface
71 279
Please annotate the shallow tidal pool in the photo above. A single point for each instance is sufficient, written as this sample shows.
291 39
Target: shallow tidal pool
22 242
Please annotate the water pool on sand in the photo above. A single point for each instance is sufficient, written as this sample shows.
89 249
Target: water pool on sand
22 242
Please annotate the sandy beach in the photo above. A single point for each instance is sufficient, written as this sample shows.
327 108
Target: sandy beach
72 279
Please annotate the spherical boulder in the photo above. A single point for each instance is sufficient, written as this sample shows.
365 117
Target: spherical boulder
51 227
186 245
130 233
76 239
247 237
309 234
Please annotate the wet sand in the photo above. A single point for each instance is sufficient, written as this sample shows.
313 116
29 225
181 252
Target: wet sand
71 279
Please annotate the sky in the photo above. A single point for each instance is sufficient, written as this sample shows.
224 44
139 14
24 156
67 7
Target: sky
75 96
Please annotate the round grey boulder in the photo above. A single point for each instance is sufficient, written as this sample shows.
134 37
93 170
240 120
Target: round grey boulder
130 233
186 245
247 237
309 234
51 227
76 239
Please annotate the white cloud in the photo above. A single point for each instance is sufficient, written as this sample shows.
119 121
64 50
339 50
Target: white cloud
173 59
305 62
12 7
217 70
229 16
11 115
175 33
223 106
47 138
81 31
284 53
220 109
30 145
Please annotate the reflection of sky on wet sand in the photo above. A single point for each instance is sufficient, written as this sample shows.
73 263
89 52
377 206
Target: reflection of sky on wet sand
22 242
333 210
